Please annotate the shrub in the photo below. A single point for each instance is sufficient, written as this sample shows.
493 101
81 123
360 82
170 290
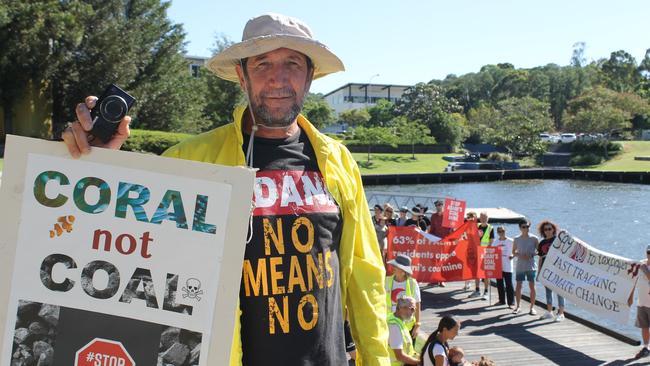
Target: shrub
596 147
585 159
499 157
155 142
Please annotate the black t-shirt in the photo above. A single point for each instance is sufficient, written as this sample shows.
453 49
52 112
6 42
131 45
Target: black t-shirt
290 292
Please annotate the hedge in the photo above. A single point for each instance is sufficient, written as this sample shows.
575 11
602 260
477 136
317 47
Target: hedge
155 142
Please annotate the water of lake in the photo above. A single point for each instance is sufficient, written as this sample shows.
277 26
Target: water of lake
613 217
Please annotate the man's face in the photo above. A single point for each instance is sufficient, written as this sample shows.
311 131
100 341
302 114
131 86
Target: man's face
483 218
524 228
402 214
439 207
276 83
406 312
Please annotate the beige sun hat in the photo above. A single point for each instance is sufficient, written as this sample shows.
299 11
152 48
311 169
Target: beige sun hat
269 32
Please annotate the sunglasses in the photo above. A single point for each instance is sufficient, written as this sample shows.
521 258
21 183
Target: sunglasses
524 226
548 229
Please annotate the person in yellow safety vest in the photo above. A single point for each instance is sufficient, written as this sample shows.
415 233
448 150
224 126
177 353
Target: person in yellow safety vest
399 339
486 233
401 284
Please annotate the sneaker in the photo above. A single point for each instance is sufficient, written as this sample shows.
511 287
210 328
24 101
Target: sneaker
475 294
485 296
466 287
442 284
559 317
516 311
501 303
532 312
547 315
644 352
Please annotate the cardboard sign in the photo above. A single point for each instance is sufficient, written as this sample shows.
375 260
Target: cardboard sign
455 257
594 280
454 213
119 258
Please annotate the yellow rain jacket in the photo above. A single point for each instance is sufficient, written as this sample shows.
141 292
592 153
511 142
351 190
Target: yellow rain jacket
361 270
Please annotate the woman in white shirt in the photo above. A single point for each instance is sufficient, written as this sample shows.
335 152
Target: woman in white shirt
504 285
436 349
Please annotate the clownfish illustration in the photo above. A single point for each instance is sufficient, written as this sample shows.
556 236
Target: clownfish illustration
64 223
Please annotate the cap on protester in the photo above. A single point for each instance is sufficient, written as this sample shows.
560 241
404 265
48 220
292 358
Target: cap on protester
404 209
438 203
402 262
378 207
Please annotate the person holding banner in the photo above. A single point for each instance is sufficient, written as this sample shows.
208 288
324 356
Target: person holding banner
399 340
401 284
436 228
486 233
643 306
524 248
309 205
548 230
416 219
504 284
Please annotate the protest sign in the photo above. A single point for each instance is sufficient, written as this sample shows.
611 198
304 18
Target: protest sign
118 258
590 278
454 213
456 257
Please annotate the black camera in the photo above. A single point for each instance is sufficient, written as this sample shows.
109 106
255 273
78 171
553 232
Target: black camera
109 110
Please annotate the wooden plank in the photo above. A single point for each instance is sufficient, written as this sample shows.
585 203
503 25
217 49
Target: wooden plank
520 339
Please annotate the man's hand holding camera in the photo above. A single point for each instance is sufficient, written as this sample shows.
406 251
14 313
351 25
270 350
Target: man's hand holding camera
101 122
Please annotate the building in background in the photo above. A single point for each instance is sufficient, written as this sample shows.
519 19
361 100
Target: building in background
356 95
195 63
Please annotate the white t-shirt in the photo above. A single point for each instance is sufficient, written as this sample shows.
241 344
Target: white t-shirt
399 290
437 351
395 340
643 289
506 252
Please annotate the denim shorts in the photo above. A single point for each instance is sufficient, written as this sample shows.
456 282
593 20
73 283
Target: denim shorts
526 276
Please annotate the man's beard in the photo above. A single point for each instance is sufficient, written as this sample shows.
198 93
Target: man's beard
267 118
410 318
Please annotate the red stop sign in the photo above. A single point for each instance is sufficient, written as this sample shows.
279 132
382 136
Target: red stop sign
103 352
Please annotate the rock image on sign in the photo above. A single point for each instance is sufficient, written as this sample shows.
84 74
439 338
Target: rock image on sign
103 352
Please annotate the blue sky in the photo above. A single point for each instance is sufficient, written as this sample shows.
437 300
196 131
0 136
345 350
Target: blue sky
410 41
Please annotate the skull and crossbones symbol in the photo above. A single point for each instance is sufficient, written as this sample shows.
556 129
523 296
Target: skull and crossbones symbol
192 289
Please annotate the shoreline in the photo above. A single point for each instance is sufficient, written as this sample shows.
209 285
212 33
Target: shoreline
498 175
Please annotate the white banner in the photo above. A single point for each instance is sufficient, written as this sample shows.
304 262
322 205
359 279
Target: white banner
592 279
118 257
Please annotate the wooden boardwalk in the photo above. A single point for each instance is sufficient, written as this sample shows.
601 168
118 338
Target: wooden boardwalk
521 339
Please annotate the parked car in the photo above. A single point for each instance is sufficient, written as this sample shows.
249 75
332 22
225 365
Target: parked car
550 138
566 138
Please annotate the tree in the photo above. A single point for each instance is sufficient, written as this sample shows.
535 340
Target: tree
480 119
620 72
578 58
412 132
519 123
71 49
222 95
32 35
370 136
428 104
602 110
382 113
355 117
317 110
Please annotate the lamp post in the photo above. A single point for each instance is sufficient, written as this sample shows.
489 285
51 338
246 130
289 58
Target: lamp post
368 86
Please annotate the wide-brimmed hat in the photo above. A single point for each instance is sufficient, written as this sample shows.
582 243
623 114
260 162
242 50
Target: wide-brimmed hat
402 262
416 211
269 32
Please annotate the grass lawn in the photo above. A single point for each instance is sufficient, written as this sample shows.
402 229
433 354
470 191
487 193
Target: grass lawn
625 161
400 163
